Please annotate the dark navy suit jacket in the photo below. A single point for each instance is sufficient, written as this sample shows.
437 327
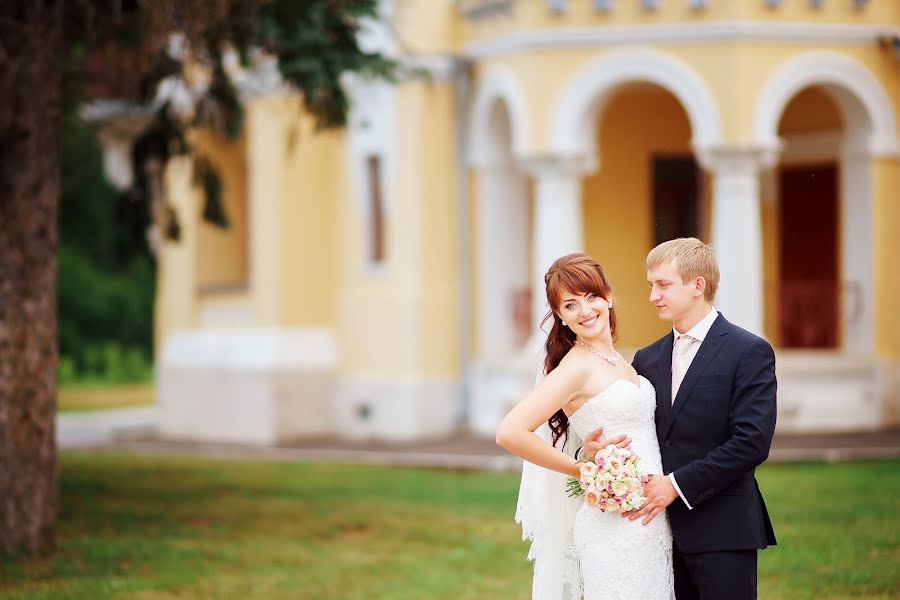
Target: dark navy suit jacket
714 435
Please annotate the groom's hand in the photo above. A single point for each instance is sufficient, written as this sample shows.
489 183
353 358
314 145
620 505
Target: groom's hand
660 493
595 442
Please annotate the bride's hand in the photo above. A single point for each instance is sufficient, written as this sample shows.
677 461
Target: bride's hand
595 442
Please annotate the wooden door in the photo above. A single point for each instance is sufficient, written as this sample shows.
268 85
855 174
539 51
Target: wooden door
808 257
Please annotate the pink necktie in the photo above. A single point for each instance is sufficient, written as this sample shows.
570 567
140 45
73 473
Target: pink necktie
680 362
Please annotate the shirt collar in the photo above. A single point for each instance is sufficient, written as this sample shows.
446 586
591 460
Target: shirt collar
699 331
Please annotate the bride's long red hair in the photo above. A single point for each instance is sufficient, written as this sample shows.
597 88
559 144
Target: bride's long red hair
577 274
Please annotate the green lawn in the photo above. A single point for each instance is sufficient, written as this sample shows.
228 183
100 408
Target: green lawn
155 527
82 397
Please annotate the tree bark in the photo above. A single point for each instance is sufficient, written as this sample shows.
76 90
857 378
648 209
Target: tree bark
29 197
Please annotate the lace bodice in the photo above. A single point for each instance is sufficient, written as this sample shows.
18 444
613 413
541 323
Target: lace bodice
622 559
623 407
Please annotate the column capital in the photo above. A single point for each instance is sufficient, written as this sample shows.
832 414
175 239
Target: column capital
542 166
738 159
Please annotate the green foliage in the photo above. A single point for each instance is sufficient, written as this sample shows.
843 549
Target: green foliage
105 363
106 273
315 42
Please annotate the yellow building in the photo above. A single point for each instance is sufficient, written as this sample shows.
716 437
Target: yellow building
377 282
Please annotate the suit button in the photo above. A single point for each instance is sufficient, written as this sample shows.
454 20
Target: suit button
668 443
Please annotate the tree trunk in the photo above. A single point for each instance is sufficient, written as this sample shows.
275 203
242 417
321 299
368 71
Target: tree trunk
29 196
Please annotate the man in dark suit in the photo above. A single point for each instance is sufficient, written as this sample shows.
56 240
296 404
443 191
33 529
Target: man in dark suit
715 417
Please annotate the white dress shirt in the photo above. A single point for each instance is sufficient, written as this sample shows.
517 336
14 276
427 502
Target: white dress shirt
698 332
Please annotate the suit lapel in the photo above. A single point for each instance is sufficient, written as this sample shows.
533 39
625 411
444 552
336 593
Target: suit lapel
715 338
664 379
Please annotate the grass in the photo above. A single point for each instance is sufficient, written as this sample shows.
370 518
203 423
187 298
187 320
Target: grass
82 397
147 528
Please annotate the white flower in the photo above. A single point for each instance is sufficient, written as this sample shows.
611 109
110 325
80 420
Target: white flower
636 500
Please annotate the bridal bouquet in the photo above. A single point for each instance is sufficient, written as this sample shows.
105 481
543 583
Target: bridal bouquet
611 480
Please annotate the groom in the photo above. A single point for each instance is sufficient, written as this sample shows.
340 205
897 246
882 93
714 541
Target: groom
715 416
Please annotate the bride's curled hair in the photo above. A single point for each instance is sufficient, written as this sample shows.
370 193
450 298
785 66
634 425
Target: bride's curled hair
576 274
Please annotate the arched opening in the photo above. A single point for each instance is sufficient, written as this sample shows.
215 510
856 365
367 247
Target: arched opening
642 115
649 188
502 216
501 253
817 224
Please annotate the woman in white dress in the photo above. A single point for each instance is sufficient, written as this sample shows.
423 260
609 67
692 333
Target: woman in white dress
587 384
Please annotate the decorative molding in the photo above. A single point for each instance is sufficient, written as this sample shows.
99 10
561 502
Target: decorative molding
812 146
865 106
480 9
437 67
557 7
568 166
256 348
497 84
708 32
737 160
584 92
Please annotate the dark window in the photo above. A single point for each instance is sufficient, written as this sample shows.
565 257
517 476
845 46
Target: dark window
675 198
376 212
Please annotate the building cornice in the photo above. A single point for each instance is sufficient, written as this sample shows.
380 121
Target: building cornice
706 32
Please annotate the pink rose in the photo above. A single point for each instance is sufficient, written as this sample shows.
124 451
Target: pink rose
588 469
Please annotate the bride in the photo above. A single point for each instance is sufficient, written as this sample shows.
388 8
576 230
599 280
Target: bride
579 550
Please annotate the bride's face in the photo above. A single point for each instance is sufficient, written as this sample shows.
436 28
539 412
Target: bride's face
587 315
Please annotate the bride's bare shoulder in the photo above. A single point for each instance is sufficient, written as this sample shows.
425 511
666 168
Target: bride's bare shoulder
574 364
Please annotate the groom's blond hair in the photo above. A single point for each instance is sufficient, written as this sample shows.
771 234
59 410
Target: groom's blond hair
692 258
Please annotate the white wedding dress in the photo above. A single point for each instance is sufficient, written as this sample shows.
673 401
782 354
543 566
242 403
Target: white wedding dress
622 559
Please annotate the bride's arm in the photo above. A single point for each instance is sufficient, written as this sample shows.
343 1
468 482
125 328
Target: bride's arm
516 431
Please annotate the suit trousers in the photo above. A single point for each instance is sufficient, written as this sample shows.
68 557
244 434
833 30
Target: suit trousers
727 575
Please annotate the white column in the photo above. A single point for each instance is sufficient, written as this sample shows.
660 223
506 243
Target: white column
737 231
265 182
558 228
856 261
502 250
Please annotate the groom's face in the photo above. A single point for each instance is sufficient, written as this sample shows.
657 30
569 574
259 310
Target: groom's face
671 296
